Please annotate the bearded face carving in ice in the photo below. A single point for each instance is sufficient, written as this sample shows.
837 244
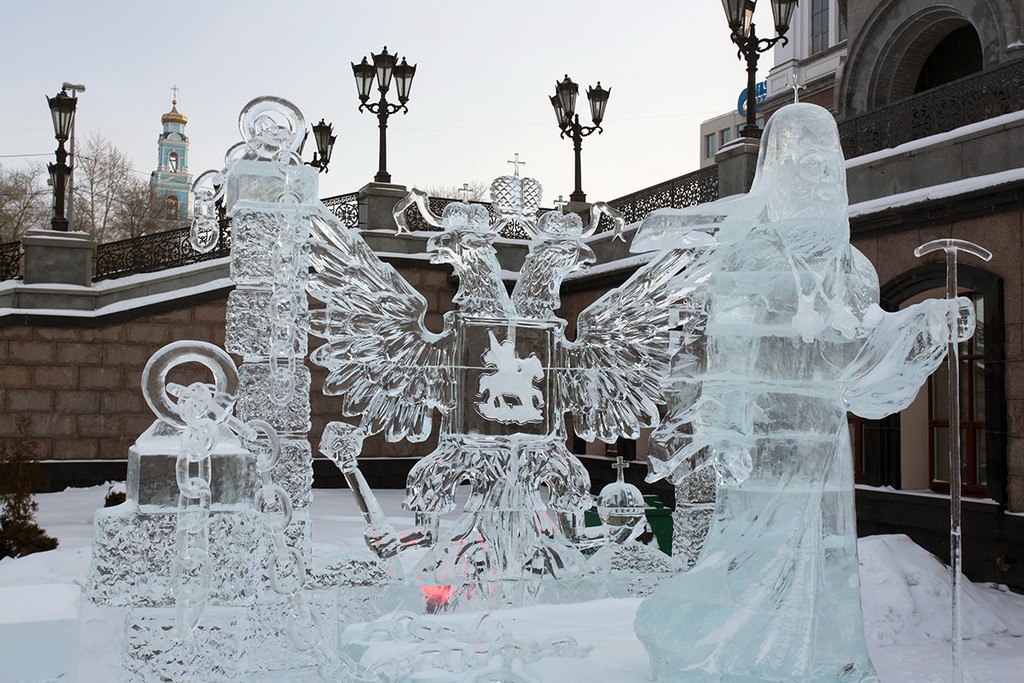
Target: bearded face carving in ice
789 338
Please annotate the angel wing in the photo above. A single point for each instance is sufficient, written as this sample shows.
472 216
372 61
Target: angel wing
379 355
612 376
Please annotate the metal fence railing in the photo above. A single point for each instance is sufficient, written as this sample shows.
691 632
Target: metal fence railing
151 253
971 99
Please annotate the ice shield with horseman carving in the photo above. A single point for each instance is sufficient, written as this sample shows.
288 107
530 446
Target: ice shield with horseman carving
505 378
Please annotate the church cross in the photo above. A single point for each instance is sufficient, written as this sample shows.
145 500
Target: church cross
174 94
517 164
620 465
796 88
560 203
465 193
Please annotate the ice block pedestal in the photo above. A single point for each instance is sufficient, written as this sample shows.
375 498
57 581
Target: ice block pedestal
39 630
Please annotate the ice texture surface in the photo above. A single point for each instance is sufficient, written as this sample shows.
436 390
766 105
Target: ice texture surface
132 552
253 398
793 338
151 650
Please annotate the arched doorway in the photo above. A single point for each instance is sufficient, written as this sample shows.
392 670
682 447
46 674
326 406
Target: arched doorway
957 55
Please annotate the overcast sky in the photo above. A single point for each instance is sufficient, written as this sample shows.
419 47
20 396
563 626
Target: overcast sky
485 72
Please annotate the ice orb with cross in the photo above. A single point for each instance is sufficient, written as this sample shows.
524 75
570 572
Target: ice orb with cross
501 376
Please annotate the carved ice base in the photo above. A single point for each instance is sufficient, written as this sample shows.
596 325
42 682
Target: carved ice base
151 650
132 555
633 570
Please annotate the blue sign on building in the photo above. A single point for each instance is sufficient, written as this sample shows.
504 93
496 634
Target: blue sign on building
760 95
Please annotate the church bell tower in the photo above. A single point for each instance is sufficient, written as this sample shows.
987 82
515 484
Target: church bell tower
171 183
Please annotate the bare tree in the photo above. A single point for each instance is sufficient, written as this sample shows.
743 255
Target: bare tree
138 211
110 202
479 191
24 201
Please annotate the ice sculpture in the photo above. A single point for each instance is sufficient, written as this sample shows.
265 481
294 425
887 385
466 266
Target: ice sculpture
502 375
793 339
629 567
191 486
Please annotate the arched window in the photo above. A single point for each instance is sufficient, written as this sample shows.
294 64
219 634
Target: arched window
910 450
957 55
171 207
172 161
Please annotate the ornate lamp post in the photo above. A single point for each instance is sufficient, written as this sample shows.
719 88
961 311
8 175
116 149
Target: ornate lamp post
740 14
62 109
384 66
322 133
564 104
75 89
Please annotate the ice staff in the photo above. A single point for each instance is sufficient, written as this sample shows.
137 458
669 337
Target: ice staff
951 247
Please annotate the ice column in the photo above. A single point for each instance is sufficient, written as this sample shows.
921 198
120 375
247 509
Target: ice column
269 205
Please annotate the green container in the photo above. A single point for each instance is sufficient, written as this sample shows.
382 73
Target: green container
660 519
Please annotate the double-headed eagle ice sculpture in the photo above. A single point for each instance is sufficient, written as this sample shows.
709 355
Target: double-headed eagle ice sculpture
501 374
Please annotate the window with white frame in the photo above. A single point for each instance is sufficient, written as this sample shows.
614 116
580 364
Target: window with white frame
819 25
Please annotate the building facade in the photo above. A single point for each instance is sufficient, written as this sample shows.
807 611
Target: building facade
716 133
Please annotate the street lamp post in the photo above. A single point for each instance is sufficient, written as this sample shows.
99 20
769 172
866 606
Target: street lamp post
62 110
384 66
322 134
740 14
75 89
564 104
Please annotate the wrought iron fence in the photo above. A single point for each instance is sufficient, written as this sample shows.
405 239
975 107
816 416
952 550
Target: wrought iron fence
150 253
10 261
693 188
345 207
968 100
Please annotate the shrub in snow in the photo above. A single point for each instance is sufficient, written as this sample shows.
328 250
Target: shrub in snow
117 493
19 471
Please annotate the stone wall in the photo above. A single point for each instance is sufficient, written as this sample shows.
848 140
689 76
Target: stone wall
79 384
78 379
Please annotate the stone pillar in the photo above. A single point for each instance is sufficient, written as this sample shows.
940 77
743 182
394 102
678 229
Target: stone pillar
54 257
376 204
736 164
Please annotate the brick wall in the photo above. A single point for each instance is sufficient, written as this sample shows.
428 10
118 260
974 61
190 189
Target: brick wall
79 382
80 385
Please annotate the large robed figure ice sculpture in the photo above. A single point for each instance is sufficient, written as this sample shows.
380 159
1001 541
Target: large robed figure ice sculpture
786 336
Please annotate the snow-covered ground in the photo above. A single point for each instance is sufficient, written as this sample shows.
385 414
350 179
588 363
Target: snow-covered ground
905 596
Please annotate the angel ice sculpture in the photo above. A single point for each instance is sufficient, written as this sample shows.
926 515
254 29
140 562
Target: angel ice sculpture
502 375
793 338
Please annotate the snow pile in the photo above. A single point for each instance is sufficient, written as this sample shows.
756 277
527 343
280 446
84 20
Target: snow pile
905 597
